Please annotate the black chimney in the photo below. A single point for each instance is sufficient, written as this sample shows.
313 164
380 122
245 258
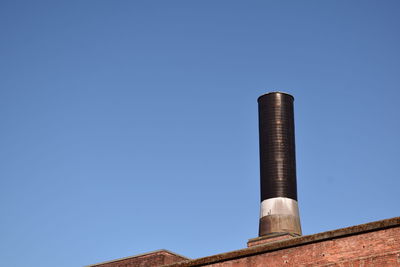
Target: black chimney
279 209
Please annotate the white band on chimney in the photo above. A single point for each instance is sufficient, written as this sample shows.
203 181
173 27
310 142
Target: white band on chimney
279 206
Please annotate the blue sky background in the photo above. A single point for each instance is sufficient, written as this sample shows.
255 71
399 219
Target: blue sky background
131 126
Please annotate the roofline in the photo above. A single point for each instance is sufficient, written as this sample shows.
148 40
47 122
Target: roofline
293 242
137 255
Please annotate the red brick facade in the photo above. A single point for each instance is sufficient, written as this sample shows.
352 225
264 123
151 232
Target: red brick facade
372 244
155 258
369 249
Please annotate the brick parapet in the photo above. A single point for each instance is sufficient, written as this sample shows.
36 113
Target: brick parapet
154 258
377 242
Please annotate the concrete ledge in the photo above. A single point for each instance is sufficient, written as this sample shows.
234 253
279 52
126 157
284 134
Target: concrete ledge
269 238
293 242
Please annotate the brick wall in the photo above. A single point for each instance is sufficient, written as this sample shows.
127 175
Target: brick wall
373 244
153 259
370 249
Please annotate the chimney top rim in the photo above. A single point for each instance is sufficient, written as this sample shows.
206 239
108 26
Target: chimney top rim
274 93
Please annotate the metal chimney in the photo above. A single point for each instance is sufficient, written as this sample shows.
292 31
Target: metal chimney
279 209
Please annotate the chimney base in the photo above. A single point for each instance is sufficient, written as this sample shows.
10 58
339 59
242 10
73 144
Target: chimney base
280 223
269 239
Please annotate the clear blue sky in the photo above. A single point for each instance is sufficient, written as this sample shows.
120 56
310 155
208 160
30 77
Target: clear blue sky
131 126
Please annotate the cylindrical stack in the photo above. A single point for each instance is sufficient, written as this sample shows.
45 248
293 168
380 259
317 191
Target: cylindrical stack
279 209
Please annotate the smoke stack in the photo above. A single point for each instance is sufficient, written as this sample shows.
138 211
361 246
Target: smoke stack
279 209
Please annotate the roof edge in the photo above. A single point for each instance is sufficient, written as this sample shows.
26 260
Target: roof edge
138 255
293 242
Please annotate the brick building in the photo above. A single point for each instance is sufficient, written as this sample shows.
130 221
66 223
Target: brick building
280 242
372 244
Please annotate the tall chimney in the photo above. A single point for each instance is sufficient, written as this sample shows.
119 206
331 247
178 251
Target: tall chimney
279 209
